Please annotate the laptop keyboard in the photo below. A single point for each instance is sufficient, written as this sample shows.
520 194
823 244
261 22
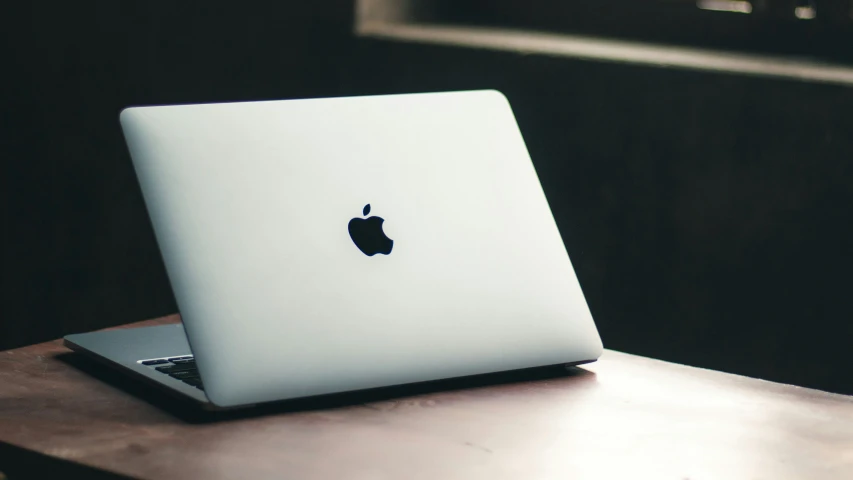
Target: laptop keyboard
180 368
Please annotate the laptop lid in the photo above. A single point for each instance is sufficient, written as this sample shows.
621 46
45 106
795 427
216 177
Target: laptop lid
327 245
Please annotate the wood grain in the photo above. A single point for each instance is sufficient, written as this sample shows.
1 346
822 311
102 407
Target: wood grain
622 417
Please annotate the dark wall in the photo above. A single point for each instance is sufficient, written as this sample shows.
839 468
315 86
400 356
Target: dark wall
708 215
78 250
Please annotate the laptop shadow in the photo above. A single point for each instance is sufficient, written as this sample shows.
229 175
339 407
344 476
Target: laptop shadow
190 412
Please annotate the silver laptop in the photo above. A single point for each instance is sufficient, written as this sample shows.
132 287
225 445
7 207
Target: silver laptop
340 244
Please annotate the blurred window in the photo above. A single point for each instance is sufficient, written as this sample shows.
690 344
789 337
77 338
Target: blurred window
809 28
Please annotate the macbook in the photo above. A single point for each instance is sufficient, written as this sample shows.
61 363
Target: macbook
340 244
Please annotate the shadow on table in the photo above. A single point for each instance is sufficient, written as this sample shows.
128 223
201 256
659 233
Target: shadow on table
17 462
192 412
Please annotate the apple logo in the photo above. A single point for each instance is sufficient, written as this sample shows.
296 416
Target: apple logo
368 236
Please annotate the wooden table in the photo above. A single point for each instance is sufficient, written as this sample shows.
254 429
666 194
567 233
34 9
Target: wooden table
624 417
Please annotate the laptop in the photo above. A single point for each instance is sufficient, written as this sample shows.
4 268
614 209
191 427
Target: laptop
341 244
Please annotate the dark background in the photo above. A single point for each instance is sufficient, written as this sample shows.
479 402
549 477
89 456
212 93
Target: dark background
707 214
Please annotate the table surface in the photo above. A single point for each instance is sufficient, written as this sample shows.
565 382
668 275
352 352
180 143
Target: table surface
622 417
